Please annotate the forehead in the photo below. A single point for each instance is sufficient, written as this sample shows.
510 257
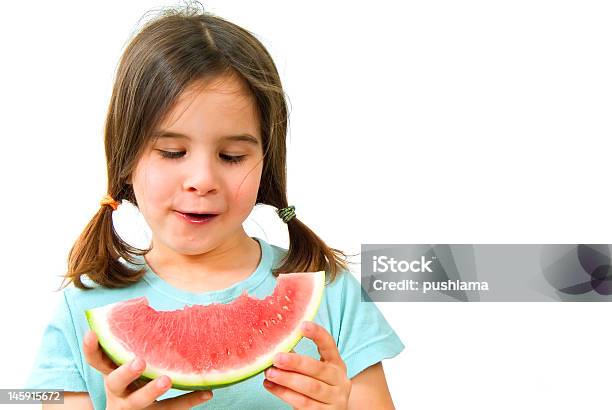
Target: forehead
219 107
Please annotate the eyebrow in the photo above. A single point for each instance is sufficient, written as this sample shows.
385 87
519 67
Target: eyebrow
240 137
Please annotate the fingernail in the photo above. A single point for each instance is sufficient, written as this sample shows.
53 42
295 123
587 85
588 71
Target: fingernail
307 326
281 358
137 365
270 373
206 395
163 382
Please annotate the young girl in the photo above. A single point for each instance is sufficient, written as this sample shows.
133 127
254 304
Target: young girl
197 125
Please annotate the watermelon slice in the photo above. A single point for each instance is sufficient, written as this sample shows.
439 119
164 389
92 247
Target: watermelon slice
208 346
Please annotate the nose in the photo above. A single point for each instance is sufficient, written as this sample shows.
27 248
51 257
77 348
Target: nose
202 176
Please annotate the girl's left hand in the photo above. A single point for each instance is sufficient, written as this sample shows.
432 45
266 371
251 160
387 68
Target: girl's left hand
307 383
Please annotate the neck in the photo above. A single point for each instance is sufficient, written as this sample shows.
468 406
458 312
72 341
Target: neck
219 268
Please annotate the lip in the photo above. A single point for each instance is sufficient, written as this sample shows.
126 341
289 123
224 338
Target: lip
200 212
187 219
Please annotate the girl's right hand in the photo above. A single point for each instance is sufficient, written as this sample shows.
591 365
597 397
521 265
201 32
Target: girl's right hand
125 391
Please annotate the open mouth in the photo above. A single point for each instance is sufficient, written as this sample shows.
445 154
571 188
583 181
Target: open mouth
197 217
200 215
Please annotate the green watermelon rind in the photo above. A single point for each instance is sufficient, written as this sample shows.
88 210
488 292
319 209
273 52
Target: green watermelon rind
120 355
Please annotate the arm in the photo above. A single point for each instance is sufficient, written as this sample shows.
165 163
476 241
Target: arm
369 390
72 400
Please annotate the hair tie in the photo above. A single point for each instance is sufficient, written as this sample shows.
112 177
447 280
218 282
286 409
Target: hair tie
286 214
108 200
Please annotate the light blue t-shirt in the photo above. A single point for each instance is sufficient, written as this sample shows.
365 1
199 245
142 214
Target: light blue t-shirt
362 334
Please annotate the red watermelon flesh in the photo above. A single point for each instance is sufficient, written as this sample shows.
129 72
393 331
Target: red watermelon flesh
213 344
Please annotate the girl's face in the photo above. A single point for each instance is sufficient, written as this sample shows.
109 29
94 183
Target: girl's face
213 136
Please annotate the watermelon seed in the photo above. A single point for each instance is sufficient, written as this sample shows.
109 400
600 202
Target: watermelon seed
266 323
228 353
273 321
279 316
287 298
260 331
285 307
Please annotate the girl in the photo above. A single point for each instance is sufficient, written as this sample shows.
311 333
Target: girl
197 124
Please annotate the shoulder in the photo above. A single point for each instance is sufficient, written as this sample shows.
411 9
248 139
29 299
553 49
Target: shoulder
343 279
76 301
79 300
345 284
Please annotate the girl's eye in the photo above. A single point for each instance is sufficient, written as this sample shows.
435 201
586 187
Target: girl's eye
171 154
232 159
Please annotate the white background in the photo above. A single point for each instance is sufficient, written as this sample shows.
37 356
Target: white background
421 122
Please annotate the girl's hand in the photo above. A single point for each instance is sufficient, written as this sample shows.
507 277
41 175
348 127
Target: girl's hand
125 391
307 383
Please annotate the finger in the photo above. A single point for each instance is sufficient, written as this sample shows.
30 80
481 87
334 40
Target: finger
309 387
94 354
295 399
137 384
186 401
324 341
146 395
118 380
326 372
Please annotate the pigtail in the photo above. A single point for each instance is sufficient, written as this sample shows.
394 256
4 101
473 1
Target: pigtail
96 253
308 253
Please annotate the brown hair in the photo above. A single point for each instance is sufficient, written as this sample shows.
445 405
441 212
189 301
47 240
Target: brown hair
168 54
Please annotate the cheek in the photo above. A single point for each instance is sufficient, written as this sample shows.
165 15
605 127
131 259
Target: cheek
154 186
245 189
